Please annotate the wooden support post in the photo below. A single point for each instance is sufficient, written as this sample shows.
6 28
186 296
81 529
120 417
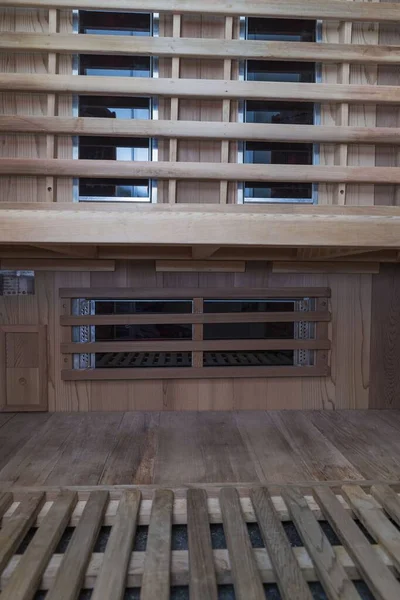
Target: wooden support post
173 143
51 106
198 308
226 112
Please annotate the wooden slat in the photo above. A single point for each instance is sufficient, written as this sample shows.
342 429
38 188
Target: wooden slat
205 266
176 47
51 105
321 370
226 110
202 578
199 88
14 530
174 113
70 576
325 267
110 583
388 499
26 577
379 579
195 346
245 574
195 318
198 130
296 9
375 521
197 171
6 499
335 581
56 264
290 580
157 565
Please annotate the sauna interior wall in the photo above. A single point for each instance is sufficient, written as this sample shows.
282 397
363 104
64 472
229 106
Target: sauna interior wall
353 359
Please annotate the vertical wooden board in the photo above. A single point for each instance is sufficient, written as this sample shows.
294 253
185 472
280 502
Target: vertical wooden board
157 564
245 574
110 583
25 579
334 579
202 578
71 573
290 580
22 349
23 389
216 394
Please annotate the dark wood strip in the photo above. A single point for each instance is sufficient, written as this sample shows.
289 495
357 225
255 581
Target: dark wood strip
110 583
379 579
334 579
24 581
245 574
16 527
202 579
71 573
190 293
290 580
157 564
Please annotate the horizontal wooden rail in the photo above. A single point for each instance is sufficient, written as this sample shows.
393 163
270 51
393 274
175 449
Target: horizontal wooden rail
197 171
198 48
192 373
192 318
198 130
295 9
199 88
193 346
190 293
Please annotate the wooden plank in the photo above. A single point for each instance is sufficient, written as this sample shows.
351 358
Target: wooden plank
191 373
157 565
290 580
379 579
202 583
56 264
71 574
245 574
6 499
388 499
194 346
345 268
25 579
196 318
205 266
175 47
110 583
14 530
198 130
334 579
17 432
324 9
198 88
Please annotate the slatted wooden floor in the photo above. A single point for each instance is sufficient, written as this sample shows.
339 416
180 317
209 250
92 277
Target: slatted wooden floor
346 539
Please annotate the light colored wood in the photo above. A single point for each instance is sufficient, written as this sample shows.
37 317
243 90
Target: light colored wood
56 264
388 499
197 171
51 104
245 574
110 583
348 268
290 580
70 576
189 266
379 579
176 47
156 573
202 577
336 583
335 10
26 577
205 89
199 129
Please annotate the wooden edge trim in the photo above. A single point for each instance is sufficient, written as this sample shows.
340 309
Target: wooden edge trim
190 293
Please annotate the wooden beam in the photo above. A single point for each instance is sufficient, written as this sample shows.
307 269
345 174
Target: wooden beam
326 267
314 9
56 264
199 88
321 226
197 171
68 250
203 252
205 266
201 130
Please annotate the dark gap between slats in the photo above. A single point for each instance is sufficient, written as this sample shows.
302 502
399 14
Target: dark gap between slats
365 531
27 539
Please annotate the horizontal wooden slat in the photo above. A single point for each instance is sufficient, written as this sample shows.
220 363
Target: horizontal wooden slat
312 9
56 264
163 319
199 88
189 346
347 267
190 266
192 373
198 48
190 293
197 171
198 130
